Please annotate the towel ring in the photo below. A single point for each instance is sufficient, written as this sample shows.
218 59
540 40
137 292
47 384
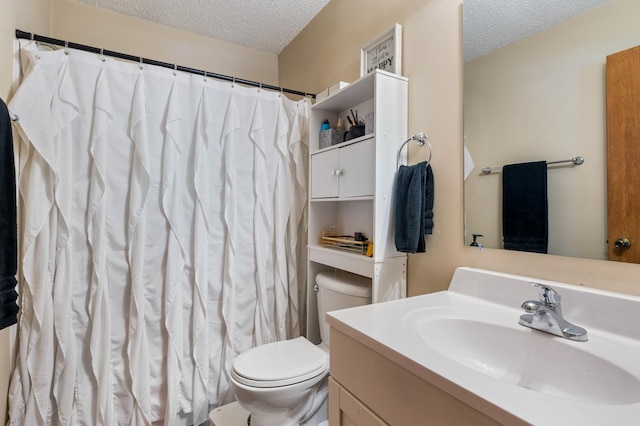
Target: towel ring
421 139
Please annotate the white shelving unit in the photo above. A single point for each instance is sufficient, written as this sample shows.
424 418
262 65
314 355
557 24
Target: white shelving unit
352 187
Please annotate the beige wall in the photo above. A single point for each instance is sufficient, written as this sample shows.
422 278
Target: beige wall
328 51
84 24
543 99
19 14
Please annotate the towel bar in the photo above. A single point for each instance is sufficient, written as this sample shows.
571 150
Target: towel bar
575 160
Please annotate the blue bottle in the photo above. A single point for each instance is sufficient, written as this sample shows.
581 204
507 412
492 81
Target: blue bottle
325 125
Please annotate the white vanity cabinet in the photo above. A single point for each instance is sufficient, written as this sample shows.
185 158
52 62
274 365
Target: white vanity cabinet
352 187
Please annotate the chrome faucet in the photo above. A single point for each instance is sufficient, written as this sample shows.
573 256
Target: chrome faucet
546 315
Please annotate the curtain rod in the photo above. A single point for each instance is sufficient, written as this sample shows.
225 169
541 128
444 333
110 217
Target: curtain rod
105 52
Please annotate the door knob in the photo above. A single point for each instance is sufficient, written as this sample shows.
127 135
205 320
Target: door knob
622 243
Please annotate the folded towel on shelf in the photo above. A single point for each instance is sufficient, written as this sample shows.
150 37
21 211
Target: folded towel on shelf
8 226
524 207
414 207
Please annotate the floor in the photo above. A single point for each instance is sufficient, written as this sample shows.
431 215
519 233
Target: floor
228 415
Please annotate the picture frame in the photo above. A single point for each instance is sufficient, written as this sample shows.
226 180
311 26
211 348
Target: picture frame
383 52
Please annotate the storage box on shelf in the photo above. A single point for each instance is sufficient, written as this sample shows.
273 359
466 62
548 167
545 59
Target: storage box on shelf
351 187
332 90
331 137
345 243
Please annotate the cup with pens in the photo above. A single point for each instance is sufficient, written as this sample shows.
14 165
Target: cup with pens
356 128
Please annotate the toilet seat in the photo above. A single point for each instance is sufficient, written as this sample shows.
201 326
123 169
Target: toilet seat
280 364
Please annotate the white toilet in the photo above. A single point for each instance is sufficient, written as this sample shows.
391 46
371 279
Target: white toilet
285 383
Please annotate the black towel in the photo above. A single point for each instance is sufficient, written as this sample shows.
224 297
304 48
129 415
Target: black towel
524 207
8 227
414 207
428 202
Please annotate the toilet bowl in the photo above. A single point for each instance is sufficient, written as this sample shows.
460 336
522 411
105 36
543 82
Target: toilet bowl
285 383
279 382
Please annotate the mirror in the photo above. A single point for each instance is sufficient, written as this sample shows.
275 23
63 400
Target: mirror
543 98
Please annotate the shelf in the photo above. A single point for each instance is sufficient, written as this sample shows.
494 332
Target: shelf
350 262
360 198
345 143
324 200
353 94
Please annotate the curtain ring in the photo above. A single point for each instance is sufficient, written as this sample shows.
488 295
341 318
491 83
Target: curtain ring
233 82
33 36
205 76
260 87
175 69
102 58
141 66
281 91
66 47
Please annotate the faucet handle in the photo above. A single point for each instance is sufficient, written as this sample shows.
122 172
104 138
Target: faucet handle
547 295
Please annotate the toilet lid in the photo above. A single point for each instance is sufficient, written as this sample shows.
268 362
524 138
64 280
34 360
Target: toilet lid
280 363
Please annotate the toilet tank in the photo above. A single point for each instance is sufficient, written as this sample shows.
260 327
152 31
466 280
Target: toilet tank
340 290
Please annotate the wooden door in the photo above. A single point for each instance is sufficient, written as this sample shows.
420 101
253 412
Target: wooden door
623 155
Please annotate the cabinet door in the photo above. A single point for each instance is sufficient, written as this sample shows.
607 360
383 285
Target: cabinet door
346 410
324 174
357 169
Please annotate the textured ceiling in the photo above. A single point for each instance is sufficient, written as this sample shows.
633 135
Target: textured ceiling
269 25
492 24
266 25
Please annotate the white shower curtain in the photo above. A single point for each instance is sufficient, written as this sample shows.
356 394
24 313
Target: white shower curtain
162 232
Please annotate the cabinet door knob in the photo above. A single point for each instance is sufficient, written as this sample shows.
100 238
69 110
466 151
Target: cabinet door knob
338 172
334 172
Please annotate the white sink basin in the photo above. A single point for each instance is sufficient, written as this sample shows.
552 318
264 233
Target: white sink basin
495 345
467 342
